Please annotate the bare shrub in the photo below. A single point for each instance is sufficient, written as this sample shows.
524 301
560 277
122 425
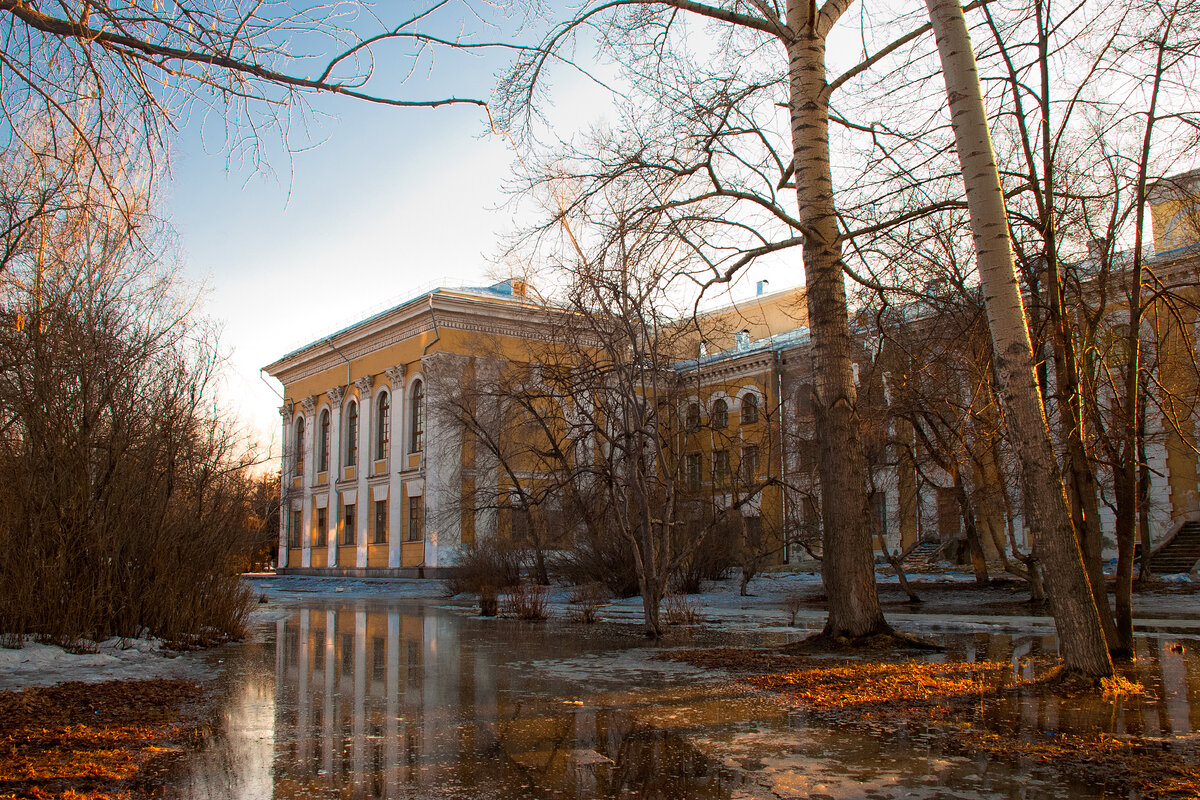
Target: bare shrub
126 508
792 603
679 609
606 562
483 564
526 601
586 601
711 560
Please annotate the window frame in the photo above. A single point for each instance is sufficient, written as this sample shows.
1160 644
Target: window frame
323 428
719 417
749 414
349 525
416 417
351 452
383 424
381 523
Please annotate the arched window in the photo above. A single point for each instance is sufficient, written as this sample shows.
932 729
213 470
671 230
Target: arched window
352 434
299 451
383 425
720 414
323 442
417 418
749 409
693 416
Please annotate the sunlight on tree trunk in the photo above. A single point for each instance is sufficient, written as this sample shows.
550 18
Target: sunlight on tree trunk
1076 617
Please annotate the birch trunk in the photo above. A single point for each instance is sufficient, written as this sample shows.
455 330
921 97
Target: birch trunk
1080 634
848 564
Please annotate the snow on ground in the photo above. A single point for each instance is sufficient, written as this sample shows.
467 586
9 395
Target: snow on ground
38 664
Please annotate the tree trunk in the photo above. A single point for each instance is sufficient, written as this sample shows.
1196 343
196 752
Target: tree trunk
1076 617
970 528
848 565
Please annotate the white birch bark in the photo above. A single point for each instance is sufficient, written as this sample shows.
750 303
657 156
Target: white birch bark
1076 618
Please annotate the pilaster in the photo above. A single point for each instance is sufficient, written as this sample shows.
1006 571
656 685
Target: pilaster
308 477
396 376
333 515
285 418
364 512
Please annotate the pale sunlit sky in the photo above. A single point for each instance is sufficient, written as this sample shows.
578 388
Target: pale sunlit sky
383 204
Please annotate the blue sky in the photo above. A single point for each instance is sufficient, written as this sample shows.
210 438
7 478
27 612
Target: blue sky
372 204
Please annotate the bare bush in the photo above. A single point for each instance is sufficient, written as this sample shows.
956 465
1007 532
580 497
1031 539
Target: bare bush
527 601
681 610
792 603
127 503
586 601
483 564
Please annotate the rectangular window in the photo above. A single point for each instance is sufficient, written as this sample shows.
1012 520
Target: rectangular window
750 465
321 535
721 469
349 532
381 521
694 471
879 512
294 522
416 523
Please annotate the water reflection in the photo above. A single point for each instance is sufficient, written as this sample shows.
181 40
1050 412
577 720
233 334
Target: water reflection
358 700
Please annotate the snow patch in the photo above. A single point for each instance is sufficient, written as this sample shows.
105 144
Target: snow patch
38 664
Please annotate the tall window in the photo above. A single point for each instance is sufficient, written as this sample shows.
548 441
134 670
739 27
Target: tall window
349 527
294 521
693 416
416 522
352 434
323 442
320 536
721 468
417 418
693 471
749 409
381 522
749 464
298 468
720 414
383 426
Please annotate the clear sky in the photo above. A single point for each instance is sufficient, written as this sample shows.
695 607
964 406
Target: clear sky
389 201
377 205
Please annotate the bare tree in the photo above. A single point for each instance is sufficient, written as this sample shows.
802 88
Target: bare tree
128 504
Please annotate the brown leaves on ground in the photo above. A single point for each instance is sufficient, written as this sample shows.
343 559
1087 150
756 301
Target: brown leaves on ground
956 705
94 740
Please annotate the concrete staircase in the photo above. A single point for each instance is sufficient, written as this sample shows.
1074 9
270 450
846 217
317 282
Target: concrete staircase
1180 552
924 556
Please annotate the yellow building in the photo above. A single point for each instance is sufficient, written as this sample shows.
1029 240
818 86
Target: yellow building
376 484
365 492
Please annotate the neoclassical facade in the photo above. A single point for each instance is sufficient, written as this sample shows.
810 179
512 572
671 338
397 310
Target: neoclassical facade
364 492
376 484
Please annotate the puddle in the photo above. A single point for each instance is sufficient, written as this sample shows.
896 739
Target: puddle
370 699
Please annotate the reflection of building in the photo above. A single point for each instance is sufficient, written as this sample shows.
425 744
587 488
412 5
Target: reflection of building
376 485
389 702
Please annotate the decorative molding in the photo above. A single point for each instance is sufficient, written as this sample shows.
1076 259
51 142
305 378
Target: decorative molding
286 409
396 376
309 404
336 394
364 384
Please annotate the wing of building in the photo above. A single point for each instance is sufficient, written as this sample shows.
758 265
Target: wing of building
379 478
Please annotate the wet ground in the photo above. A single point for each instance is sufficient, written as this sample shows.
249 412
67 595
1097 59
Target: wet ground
363 697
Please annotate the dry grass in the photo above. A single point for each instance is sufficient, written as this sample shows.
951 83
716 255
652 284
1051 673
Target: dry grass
586 601
527 602
950 703
108 740
679 609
